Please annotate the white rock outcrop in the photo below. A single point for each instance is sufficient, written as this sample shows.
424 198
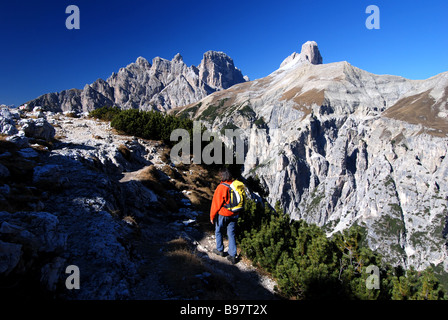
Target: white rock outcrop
7 122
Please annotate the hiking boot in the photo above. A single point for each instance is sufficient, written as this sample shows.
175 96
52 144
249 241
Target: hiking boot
232 259
217 252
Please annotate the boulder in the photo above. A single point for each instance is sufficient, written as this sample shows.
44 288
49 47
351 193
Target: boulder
4 172
37 231
38 128
20 140
7 122
10 254
49 174
28 153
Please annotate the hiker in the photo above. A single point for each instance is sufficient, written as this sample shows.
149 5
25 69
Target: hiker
224 213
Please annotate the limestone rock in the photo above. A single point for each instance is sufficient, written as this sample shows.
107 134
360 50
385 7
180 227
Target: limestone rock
162 85
4 172
20 140
51 273
310 52
38 128
10 254
218 71
7 123
49 174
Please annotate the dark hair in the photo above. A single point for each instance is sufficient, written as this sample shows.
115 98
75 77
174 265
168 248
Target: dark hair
225 174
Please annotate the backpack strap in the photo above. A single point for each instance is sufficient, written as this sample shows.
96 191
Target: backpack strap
226 184
228 191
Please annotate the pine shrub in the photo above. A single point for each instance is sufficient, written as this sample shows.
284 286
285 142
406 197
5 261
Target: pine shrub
151 125
308 265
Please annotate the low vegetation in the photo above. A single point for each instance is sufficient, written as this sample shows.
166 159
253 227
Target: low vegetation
308 265
151 125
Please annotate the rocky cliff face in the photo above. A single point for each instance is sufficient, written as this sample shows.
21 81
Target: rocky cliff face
161 85
339 146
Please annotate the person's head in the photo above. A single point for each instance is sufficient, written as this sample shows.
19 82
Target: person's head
225 174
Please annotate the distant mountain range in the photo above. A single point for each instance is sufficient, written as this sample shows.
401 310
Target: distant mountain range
161 85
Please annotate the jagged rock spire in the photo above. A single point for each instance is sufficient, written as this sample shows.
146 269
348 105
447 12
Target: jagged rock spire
310 53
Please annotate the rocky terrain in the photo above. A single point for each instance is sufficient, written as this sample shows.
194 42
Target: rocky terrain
162 85
339 146
74 192
336 145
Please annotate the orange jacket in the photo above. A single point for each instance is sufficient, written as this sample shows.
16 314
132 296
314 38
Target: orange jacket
221 198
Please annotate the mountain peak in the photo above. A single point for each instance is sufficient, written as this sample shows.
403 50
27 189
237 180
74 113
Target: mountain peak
178 58
216 54
143 62
309 53
218 70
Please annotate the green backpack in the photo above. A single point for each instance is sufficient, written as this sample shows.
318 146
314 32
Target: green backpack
238 195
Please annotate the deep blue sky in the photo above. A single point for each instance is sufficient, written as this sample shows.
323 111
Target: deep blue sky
39 55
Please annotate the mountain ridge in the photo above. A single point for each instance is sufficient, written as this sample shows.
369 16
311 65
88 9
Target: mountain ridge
142 85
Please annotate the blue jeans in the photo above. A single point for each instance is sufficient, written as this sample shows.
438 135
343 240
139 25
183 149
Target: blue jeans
221 224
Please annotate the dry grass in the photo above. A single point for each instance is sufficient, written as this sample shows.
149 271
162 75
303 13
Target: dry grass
420 109
187 276
125 152
165 155
170 172
148 174
150 177
200 201
311 97
177 244
71 115
201 184
130 220
304 100
59 137
262 83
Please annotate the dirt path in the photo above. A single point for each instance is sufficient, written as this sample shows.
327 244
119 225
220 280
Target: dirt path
180 267
249 283
179 246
